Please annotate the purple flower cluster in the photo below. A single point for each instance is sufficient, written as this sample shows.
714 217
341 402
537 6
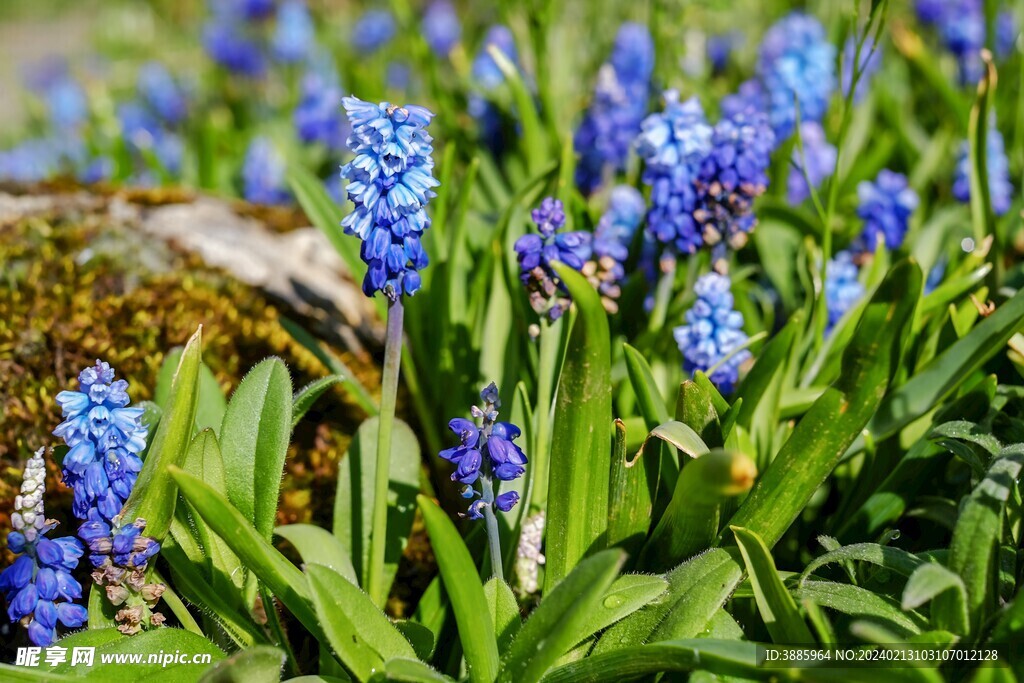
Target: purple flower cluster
732 176
819 157
885 206
486 451
105 437
263 174
536 252
390 182
999 186
712 334
441 27
612 121
843 289
673 144
612 238
38 586
318 117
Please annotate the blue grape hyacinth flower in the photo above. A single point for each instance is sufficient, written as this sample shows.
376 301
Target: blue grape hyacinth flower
105 436
713 332
441 27
536 252
162 94
886 206
999 186
612 121
673 144
796 62
294 33
612 238
390 182
843 289
318 115
38 586
486 452
732 175
228 44
373 30
263 174
820 157
144 133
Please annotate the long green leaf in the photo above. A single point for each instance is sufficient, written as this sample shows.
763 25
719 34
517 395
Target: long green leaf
305 398
504 611
254 442
319 546
649 400
359 633
776 606
633 486
410 671
578 495
462 581
626 595
697 590
253 665
353 503
155 494
927 388
931 580
976 537
561 620
690 522
863 604
833 422
255 552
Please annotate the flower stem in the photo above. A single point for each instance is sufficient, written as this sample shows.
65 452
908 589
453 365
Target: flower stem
493 540
550 342
382 475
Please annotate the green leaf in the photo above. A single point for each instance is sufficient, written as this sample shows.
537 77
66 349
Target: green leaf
776 606
720 657
697 589
197 588
633 486
626 595
308 395
927 388
860 603
254 665
649 401
562 619
211 406
931 580
679 435
319 546
762 387
101 612
326 216
690 522
358 632
533 133
577 515
419 636
223 570
695 407
833 422
353 503
155 494
976 537
254 442
254 551
462 581
410 671
893 559
982 216
504 611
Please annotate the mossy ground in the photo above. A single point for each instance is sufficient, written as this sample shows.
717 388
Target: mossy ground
73 289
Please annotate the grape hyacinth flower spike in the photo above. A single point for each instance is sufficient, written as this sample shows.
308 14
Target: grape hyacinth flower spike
732 176
843 289
673 144
486 452
536 252
998 167
886 206
38 586
713 335
612 238
105 436
390 183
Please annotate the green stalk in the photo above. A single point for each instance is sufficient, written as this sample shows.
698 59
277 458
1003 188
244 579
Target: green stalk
493 539
550 343
389 391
